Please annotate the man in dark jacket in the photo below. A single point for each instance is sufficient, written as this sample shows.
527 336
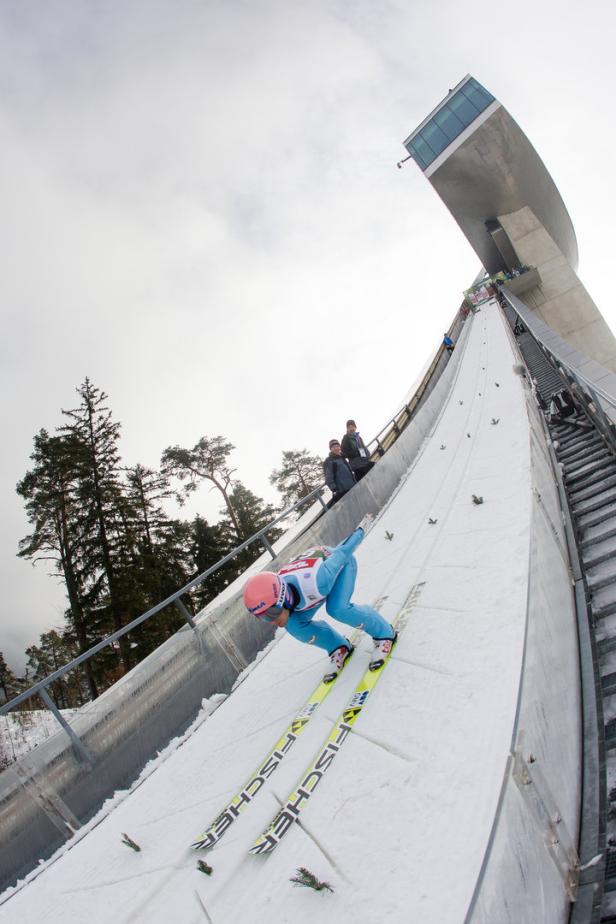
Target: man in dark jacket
354 449
338 473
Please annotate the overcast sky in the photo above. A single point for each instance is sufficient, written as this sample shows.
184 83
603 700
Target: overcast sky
201 211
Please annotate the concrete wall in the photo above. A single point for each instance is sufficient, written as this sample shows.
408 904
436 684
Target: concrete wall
49 793
561 301
524 879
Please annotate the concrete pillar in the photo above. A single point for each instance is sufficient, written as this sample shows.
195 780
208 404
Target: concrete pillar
560 299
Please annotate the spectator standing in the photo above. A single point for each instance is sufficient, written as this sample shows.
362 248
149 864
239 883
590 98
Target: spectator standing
354 449
338 473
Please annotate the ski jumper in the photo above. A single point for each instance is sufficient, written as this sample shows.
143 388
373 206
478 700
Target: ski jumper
317 580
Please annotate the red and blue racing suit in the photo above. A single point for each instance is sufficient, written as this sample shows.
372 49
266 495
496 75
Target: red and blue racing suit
327 575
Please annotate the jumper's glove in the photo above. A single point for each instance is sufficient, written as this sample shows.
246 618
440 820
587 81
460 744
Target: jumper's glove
367 523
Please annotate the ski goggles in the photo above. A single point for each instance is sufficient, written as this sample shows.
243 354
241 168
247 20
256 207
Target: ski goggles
271 614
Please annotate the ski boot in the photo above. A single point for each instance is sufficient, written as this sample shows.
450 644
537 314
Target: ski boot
382 649
337 660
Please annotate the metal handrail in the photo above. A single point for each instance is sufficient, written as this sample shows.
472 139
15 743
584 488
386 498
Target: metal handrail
609 399
412 404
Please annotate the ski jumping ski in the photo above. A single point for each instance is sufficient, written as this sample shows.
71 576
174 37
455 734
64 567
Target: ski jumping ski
296 726
313 775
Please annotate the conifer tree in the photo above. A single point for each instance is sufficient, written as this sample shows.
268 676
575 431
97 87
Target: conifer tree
160 556
298 476
50 490
107 543
53 652
208 460
252 514
208 544
147 490
148 526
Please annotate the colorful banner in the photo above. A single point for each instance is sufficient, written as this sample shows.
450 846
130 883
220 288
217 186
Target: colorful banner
479 294
484 291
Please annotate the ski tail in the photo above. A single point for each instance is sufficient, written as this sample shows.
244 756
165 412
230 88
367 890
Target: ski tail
223 821
275 756
219 827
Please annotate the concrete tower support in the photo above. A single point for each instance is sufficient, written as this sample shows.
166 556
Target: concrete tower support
560 299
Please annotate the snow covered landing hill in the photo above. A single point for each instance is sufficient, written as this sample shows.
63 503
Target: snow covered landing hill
417 780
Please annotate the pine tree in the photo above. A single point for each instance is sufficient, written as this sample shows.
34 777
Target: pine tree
53 652
208 460
107 542
298 476
146 491
159 556
208 544
252 514
50 490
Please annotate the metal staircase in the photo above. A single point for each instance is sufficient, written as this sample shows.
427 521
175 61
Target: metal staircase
587 459
589 474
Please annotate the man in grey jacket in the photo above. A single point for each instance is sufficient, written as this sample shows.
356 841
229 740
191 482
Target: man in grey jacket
338 473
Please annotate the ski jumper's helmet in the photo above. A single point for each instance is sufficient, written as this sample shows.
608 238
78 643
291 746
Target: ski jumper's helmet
262 592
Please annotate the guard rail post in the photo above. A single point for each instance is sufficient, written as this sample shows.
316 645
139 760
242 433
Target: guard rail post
265 542
182 609
82 752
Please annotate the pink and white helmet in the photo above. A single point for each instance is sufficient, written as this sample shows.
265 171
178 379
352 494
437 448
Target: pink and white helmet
263 592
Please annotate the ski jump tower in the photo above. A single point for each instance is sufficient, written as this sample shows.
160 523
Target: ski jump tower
498 190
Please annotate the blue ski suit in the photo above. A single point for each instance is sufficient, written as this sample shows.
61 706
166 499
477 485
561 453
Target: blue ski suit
335 582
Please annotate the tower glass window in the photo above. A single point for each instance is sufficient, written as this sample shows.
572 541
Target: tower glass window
456 114
435 137
463 108
450 122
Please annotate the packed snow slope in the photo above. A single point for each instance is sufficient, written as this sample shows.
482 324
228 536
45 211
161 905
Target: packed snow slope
399 825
